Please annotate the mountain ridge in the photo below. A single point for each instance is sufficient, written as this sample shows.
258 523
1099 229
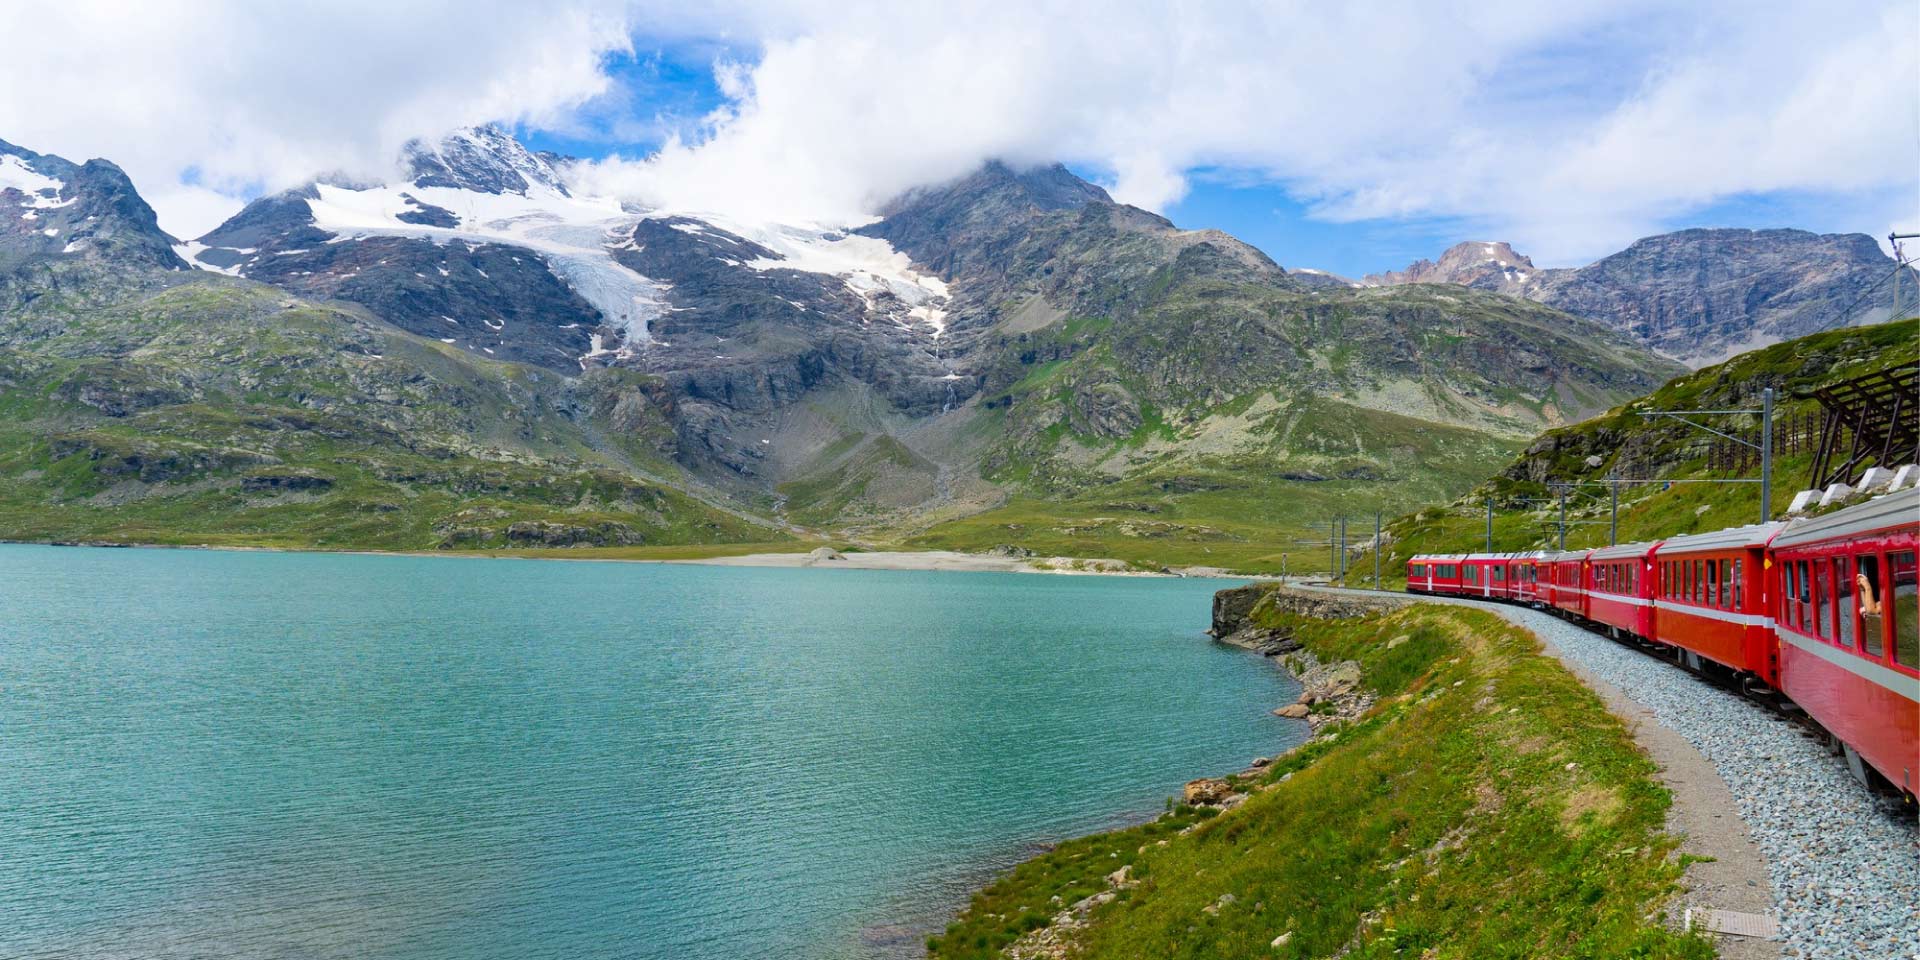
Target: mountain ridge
1011 337
1700 295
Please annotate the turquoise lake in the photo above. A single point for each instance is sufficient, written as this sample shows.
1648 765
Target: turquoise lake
326 756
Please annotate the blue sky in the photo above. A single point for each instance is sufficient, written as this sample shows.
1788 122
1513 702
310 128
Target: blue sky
1345 137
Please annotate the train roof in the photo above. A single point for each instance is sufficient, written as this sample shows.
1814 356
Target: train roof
1464 557
1898 509
1752 535
1623 551
1565 555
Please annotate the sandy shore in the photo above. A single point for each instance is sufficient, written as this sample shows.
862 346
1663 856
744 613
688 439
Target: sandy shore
934 559
947 560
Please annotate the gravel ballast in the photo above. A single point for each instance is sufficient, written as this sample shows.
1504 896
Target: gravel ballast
1845 864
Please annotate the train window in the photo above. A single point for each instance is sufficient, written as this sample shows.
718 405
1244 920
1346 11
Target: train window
1447 571
1857 592
1726 584
1739 586
1870 590
1500 573
1699 580
1822 602
1803 596
1713 583
1790 598
1905 608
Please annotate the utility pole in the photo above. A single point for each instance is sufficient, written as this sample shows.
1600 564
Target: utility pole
1333 550
1613 520
1563 519
1376 549
1766 454
1489 524
1343 548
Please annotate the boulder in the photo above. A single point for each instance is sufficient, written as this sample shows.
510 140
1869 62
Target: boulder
824 554
1206 792
1292 711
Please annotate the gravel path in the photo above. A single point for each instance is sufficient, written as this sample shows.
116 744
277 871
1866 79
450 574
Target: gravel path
1845 865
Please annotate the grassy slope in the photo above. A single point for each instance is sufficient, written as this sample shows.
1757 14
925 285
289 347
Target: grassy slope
1489 806
1651 449
170 416
1243 509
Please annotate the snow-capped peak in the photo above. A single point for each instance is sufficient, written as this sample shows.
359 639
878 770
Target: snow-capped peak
484 159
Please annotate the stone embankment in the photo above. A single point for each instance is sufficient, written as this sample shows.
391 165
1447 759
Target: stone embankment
1329 692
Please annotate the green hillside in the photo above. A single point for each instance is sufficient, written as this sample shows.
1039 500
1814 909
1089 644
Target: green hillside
198 409
1525 508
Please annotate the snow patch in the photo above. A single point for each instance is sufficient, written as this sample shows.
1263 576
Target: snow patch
869 266
15 174
569 233
190 252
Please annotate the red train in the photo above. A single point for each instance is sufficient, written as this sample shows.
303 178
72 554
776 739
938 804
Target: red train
1820 613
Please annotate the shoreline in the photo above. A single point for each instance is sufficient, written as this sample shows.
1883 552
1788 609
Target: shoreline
717 555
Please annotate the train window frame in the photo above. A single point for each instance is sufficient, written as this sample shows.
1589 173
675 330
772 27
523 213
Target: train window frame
1823 618
1802 598
1739 585
1872 642
1790 596
1726 584
1896 613
1713 582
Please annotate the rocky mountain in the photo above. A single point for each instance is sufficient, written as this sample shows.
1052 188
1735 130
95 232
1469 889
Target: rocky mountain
51 205
1013 337
1697 295
1479 264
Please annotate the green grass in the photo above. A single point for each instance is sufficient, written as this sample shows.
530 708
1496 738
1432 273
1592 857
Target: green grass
1489 806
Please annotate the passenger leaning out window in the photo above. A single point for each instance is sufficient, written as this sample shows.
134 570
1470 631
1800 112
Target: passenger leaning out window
1866 583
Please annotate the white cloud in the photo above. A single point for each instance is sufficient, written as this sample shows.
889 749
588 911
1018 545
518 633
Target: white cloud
1569 128
202 99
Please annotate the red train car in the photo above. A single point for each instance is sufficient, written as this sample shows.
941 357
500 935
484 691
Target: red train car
1483 575
1619 587
1710 600
1847 613
1567 572
1435 573
1523 575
